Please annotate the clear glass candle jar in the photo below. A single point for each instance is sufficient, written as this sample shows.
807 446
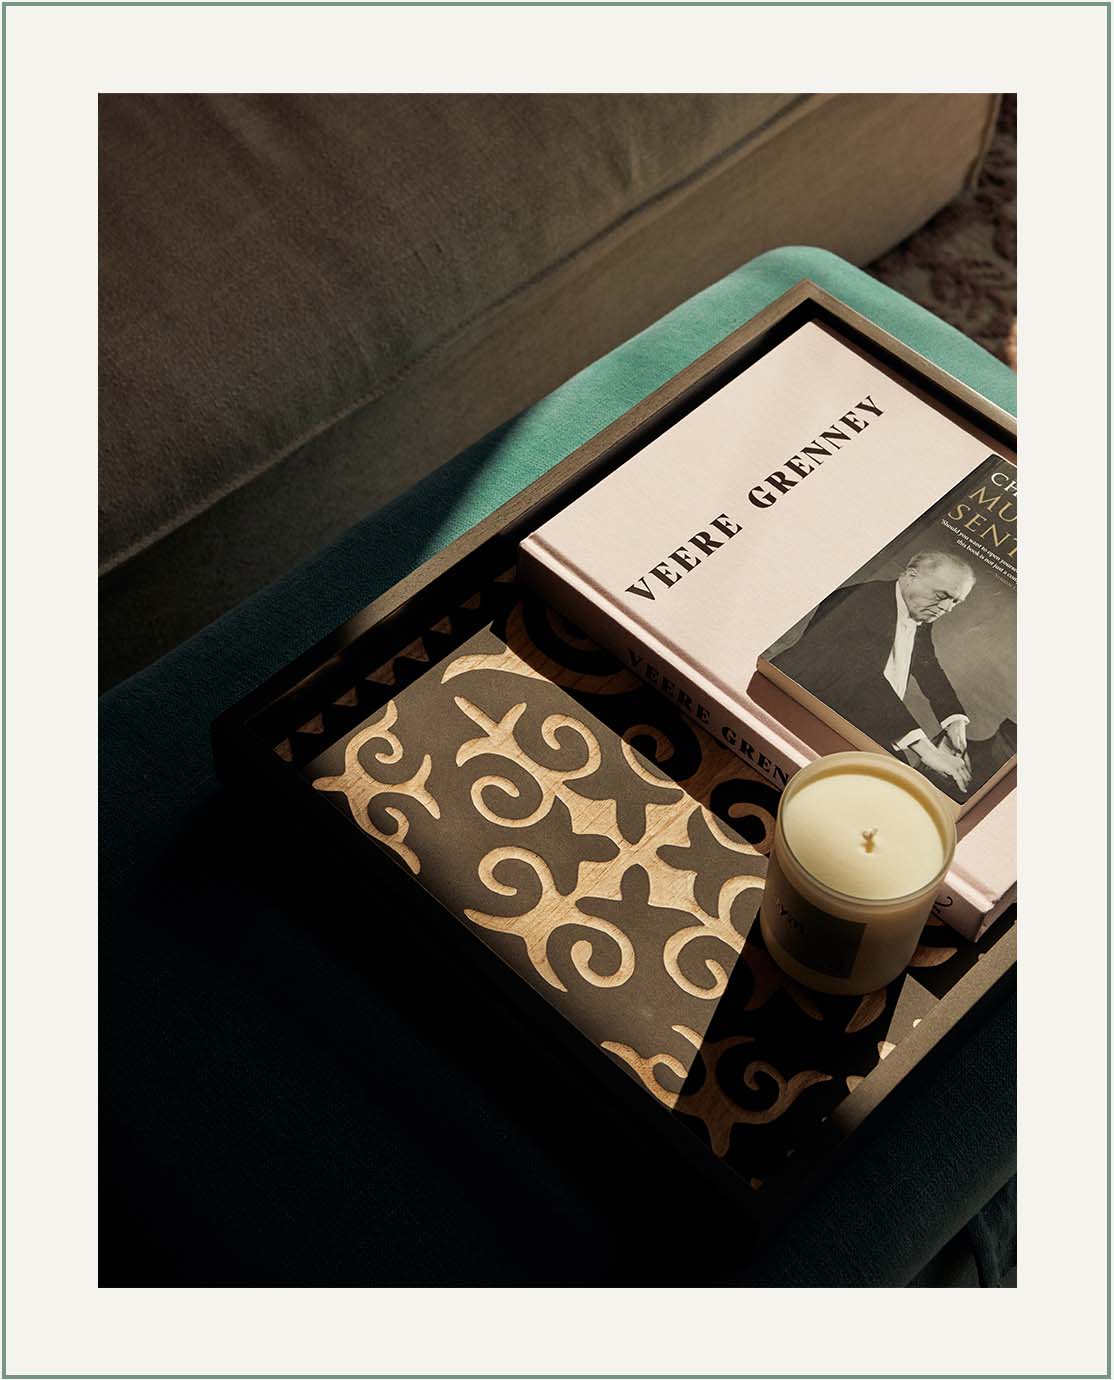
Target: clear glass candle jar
861 847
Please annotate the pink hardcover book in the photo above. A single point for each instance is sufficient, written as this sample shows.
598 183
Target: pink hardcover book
693 557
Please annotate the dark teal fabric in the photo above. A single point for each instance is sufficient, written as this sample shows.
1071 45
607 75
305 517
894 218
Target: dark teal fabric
292 1090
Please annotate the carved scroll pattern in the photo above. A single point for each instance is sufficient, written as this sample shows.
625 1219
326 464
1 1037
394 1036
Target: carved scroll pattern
667 824
360 787
617 863
711 1103
521 656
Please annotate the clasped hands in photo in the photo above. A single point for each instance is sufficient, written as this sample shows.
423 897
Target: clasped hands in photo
949 756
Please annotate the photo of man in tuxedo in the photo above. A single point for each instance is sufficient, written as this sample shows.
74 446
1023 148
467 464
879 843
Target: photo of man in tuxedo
864 644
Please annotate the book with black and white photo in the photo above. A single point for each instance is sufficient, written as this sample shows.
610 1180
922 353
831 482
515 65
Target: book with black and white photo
914 653
713 540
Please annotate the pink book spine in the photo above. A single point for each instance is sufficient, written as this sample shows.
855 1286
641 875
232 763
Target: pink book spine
982 882
969 901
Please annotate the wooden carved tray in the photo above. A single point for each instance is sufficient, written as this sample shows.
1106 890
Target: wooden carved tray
605 849
612 855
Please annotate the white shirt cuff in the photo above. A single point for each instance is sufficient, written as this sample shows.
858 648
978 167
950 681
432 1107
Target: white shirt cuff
955 719
913 736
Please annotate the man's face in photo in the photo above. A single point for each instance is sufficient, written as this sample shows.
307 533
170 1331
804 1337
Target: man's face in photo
935 588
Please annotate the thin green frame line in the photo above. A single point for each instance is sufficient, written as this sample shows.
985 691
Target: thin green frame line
4 683
502 4
560 4
1108 668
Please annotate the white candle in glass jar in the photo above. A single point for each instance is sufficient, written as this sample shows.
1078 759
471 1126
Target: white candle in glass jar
861 847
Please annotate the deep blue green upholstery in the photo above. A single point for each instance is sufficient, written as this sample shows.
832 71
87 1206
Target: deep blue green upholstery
293 1091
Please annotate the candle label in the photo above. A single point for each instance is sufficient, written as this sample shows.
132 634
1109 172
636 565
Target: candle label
825 943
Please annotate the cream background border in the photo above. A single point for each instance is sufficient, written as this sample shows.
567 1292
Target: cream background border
58 58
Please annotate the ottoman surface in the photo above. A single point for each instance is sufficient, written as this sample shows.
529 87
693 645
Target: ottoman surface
277 1107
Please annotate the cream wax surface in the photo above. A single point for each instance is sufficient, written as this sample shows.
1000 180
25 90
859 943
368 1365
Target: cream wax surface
863 834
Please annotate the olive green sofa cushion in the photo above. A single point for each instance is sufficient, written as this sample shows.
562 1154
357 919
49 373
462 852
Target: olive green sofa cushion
309 302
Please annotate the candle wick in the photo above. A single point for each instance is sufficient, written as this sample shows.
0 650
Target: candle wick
868 839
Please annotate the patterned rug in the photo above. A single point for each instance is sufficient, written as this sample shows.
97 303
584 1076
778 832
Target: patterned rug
962 265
